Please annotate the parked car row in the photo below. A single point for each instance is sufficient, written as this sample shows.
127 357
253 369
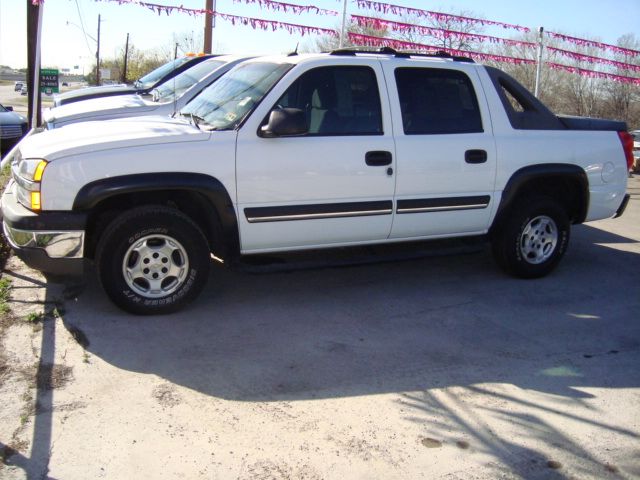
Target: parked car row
143 85
153 94
165 98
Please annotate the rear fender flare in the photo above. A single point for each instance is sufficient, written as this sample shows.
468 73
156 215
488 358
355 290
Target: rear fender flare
552 171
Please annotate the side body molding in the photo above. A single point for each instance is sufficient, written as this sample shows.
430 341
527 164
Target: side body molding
552 172
209 188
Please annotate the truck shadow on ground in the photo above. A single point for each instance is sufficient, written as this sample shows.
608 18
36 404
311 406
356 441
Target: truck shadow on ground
389 327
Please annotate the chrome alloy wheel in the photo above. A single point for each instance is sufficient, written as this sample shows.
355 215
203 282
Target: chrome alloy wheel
155 266
539 239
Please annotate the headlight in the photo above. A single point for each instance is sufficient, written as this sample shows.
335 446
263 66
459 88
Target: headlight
27 174
32 169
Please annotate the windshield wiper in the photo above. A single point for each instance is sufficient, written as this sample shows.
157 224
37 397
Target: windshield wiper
193 118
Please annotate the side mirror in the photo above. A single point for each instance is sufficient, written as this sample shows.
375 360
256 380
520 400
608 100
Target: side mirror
9 109
285 122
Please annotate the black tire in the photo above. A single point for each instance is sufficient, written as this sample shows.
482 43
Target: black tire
532 238
152 260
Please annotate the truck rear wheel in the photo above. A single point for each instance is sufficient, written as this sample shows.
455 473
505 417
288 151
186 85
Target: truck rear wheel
532 239
152 260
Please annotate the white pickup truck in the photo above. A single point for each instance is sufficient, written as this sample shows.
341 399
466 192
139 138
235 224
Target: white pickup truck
311 152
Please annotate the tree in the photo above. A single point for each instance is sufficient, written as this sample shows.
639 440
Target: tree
140 62
623 99
188 42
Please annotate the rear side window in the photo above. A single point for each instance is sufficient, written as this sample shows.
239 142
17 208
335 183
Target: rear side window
437 101
337 101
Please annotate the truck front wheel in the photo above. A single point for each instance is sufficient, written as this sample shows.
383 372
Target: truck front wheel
152 260
532 239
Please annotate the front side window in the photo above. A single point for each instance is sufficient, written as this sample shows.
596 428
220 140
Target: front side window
437 101
337 101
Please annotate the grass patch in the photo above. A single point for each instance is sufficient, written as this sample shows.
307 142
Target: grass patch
5 289
34 317
5 173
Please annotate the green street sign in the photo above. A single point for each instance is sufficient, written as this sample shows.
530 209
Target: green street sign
49 80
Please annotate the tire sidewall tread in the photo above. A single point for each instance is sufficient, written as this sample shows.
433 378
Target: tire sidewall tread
506 238
138 223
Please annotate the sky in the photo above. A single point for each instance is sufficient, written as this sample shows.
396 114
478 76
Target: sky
66 45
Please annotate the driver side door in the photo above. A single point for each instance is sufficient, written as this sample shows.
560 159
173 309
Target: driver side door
330 186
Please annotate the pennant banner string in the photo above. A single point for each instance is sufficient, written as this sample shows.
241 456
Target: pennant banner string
441 33
594 74
264 24
380 24
400 44
260 23
580 57
270 4
399 10
289 7
590 43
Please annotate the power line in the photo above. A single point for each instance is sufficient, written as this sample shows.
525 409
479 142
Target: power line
82 27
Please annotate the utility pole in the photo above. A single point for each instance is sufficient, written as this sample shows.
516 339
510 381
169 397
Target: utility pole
126 54
539 60
34 25
208 26
175 52
344 21
98 55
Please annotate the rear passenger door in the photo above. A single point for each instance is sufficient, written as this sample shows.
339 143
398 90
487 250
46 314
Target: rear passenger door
445 150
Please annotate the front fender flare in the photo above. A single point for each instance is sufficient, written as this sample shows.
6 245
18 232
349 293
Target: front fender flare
209 187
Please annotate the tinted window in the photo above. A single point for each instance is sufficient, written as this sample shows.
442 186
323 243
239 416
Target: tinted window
437 101
337 101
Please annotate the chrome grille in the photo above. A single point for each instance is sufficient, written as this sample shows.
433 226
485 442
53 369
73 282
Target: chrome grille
10 131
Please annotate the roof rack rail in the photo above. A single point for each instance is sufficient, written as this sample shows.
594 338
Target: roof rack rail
352 51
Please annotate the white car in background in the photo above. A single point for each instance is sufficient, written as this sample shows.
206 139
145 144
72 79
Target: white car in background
166 99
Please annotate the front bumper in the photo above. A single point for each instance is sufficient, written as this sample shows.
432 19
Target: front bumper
52 242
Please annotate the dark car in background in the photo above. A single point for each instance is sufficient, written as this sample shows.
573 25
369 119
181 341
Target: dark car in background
141 86
12 127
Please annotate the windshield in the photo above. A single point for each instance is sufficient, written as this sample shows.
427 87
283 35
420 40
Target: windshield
223 105
151 78
175 87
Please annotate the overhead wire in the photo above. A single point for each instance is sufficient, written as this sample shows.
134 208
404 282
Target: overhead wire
82 27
